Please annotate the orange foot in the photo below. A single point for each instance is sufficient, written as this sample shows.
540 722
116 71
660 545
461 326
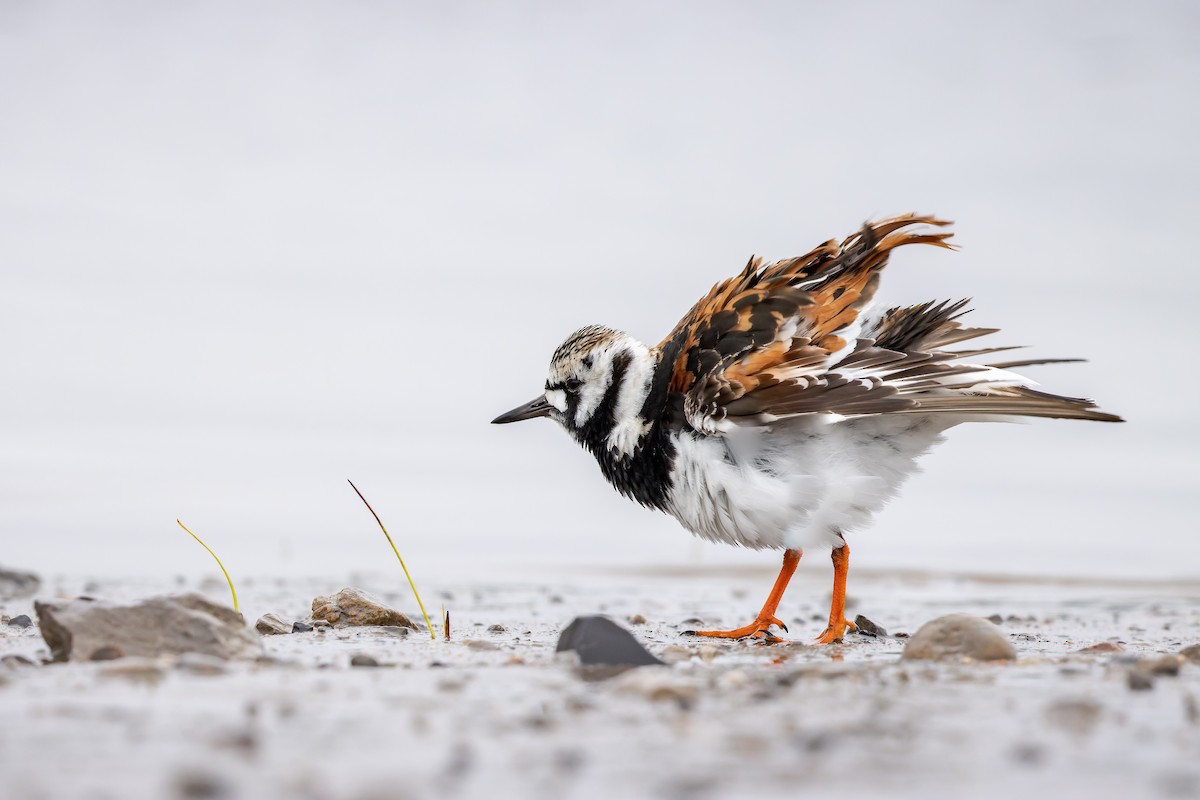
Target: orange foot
833 633
759 629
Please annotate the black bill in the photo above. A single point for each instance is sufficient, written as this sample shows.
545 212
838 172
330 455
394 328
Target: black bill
537 407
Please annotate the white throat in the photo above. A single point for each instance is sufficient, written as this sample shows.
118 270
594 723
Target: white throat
629 427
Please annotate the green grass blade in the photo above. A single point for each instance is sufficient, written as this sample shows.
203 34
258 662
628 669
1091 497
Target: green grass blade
413 586
228 580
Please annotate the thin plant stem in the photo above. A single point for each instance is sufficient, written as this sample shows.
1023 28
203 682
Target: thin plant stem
228 580
413 586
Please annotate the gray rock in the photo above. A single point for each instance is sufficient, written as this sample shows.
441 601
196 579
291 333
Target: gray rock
598 641
355 607
363 660
959 636
272 625
14 583
20 621
189 623
301 627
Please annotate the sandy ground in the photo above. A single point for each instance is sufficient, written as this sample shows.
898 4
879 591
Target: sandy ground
494 713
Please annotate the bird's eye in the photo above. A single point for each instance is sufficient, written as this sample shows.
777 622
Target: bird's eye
573 385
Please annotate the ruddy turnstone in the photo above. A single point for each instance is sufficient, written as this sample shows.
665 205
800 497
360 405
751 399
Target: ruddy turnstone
779 413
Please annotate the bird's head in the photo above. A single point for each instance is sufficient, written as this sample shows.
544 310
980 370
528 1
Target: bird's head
598 378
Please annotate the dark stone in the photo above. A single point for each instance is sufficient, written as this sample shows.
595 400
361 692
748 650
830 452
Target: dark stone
598 641
363 660
301 627
20 621
865 627
995 619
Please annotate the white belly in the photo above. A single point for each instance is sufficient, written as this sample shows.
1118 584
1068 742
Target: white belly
799 484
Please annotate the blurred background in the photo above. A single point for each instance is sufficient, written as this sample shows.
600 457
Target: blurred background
250 251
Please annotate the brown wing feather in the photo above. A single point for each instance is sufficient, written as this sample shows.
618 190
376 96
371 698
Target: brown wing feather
760 331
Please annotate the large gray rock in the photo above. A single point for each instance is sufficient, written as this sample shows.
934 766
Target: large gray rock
355 607
188 623
18 584
959 636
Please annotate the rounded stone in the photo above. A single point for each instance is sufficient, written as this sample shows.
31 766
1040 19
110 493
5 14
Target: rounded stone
959 636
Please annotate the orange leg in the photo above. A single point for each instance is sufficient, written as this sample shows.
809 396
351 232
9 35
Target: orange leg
837 609
761 626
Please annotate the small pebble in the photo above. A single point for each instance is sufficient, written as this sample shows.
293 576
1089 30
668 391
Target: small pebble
637 619
995 619
302 627
363 660
481 644
106 653
1140 680
497 629
1102 647
865 627
1166 665
20 621
1191 653
16 660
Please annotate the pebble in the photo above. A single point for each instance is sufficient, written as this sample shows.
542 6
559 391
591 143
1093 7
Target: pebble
675 653
996 619
14 583
363 660
302 627
959 636
598 641
16 660
1075 716
1191 653
352 606
1102 647
106 653
866 627
637 619
658 686
200 664
1140 680
480 644
135 670
272 625
20 621
497 629
1164 665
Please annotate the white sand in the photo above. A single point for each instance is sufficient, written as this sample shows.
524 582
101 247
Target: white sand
498 715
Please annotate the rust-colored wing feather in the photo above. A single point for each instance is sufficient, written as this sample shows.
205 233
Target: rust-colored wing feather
762 330
792 338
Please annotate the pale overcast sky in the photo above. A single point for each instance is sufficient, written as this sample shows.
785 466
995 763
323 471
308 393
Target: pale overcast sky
248 251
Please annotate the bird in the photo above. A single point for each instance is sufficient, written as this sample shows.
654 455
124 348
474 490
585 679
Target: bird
783 411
